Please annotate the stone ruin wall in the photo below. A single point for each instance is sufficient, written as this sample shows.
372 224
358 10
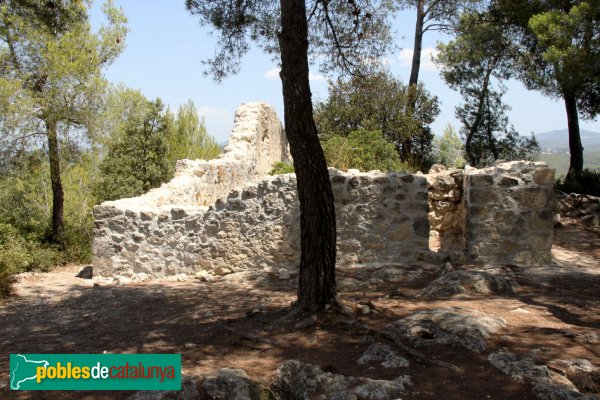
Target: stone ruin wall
446 211
256 142
226 215
509 213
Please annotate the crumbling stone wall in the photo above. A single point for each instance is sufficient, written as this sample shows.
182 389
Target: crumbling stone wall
382 218
509 213
446 215
226 215
257 141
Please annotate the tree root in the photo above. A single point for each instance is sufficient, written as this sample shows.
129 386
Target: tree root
414 354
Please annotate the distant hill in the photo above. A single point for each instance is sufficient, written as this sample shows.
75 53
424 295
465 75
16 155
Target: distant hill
555 149
558 141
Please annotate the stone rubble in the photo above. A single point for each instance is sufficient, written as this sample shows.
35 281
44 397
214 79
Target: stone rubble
383 355
463 282
583 207
298 380
559 380
445 200
457 326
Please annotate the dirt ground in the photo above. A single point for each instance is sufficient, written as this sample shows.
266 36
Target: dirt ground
238 323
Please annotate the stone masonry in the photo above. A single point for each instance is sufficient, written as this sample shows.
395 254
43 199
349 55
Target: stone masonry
227 215
509 213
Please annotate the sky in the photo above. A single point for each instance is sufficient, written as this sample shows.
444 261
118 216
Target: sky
166 46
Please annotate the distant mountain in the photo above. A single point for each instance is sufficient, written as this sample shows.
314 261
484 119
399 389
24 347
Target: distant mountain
558 141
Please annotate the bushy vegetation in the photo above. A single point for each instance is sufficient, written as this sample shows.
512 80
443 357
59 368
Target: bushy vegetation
19 255
379 102
361 149
26 209
448 149
282 168
586 182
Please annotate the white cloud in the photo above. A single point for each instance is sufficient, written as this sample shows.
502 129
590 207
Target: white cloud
316 77
273 74
426 55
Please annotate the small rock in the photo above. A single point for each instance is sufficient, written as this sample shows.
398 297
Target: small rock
208 314
448 267
86 272
557 221
252 312
190 345
204 276
344 284
140 277
121 280
384 355
223 271
363 309
181 277
436 168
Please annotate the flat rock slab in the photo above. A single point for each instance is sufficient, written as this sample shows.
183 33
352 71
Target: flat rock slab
297 380
464 282
383 355
459 326
559 380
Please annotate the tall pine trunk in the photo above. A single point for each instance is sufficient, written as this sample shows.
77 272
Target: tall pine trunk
575 147
417 48
316 286
57 190
407 146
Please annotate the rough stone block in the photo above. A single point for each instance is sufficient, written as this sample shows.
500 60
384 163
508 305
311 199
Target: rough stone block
544 176
480 180
106 212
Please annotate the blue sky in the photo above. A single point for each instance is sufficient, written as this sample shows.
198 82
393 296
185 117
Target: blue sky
166 46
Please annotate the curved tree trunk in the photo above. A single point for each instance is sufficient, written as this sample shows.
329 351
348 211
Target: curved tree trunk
470 153
57 190
575 147
316 286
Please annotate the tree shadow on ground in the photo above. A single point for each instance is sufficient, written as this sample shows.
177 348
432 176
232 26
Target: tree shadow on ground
217 325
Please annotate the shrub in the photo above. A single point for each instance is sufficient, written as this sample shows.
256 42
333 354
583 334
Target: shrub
448 149
361 149
587 182
282 168
19 255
